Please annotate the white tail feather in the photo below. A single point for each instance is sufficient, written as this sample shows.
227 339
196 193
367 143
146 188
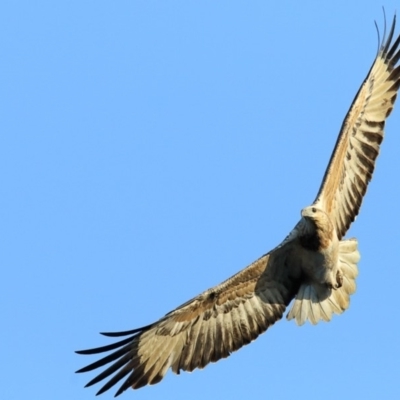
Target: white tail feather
315 302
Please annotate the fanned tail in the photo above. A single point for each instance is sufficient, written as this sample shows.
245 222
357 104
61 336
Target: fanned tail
315 302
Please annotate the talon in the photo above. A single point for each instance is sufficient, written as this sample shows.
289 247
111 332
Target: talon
339 279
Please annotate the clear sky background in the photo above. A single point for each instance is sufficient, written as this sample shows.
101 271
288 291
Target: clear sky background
150 150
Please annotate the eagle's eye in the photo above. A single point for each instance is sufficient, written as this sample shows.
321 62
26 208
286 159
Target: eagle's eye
314 210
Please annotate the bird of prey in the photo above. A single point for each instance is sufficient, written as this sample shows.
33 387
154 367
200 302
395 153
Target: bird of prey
314 266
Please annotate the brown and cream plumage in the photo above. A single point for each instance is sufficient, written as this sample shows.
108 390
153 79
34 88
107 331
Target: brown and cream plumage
313 266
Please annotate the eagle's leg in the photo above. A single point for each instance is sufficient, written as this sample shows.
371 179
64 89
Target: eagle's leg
339 278
335 281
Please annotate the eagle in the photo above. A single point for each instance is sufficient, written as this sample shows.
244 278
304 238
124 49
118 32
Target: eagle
314 267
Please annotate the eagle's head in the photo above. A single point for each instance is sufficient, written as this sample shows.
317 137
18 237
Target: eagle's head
312 212
318 218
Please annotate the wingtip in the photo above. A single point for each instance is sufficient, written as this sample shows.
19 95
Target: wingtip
84 352
126 333
116 334
84 369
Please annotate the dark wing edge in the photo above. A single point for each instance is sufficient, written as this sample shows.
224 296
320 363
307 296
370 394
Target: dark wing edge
352 162
206 329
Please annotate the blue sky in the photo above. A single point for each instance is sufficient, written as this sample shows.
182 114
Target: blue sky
149 150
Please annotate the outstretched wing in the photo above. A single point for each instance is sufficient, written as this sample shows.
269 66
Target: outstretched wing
353 159
205 329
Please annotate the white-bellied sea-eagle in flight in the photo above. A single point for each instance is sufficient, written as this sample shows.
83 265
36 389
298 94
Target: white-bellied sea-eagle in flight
314 266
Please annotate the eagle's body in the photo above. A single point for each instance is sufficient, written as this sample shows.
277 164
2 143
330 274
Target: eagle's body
319 254
320 244
314 266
